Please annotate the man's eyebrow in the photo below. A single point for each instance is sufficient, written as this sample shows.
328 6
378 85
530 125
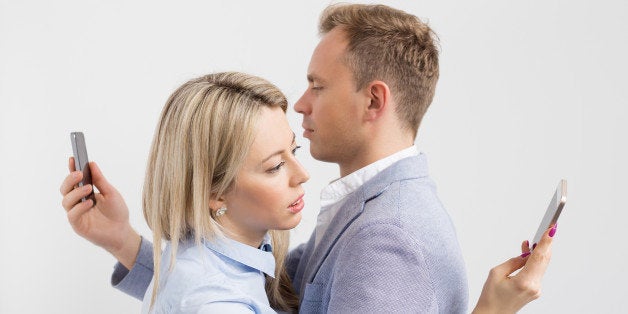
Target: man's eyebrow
312 77
279 151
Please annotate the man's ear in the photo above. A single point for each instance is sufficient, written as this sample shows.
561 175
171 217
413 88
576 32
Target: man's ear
379 96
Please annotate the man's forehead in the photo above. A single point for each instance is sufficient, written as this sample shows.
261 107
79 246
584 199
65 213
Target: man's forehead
334 41
329 53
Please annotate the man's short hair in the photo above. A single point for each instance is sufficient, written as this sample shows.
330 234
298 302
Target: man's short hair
392 46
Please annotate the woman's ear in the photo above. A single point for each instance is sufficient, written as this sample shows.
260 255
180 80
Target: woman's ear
379 95
215 204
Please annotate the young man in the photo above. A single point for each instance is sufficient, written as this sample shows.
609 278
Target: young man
383 241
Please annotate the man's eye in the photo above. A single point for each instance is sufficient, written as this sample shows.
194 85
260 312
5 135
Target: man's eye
317 87
277 167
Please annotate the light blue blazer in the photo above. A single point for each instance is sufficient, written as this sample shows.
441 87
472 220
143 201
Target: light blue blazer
391 248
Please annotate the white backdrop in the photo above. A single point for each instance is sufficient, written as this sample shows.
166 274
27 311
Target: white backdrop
530 93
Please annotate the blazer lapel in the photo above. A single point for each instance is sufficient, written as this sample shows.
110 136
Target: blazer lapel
351 209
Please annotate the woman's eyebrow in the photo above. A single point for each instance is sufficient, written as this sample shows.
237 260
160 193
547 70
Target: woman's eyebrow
280 151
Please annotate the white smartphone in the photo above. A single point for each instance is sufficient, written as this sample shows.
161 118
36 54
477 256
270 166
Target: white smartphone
81 162
553 211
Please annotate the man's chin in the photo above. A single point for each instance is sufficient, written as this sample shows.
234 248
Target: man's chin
319 154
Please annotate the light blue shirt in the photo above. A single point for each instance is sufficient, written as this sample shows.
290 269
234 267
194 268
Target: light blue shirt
219 276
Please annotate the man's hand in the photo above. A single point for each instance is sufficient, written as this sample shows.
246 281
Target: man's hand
503 293
105 224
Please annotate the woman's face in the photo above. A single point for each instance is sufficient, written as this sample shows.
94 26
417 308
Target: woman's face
267 193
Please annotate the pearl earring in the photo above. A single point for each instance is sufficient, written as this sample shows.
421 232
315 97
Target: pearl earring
221 211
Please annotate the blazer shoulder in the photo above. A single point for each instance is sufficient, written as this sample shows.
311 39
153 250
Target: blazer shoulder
412 205
401 196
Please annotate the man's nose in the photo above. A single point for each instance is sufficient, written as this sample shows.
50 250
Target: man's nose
301 105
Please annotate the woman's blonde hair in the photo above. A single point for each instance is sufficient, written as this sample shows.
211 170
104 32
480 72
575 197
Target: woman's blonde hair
202 139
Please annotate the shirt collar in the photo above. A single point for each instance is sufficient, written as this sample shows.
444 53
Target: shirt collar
340 188
261 259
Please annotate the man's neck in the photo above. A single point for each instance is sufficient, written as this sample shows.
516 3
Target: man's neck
370 155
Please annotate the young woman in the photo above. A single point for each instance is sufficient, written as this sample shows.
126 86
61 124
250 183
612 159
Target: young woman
222 184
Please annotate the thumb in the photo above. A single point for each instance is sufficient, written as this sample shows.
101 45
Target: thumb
508 267
99 180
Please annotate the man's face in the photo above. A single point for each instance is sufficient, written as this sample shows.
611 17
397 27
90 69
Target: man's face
332 107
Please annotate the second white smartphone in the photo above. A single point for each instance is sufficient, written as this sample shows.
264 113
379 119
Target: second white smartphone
553 211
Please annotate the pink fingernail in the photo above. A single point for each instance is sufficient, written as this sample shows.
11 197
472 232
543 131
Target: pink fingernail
527 243
524 255
552 232
534 246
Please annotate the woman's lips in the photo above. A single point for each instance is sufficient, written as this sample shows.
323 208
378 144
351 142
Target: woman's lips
297 206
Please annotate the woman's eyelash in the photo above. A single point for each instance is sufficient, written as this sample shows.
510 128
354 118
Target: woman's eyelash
281 164
294 151
277 167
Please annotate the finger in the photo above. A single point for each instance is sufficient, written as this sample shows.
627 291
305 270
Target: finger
78 210
75 196
503 270
99 180
71 164
525 247
539 259
98 197
70 182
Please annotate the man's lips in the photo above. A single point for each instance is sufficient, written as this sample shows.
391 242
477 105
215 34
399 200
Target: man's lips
306 128
306 131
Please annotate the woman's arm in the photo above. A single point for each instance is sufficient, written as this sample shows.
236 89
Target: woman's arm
106 224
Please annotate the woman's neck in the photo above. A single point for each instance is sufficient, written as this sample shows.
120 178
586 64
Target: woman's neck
247 236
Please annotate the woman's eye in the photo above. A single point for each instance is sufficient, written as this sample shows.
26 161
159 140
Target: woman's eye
294 151
317 87
277 167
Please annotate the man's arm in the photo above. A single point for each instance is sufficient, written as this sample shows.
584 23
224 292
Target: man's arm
106 224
